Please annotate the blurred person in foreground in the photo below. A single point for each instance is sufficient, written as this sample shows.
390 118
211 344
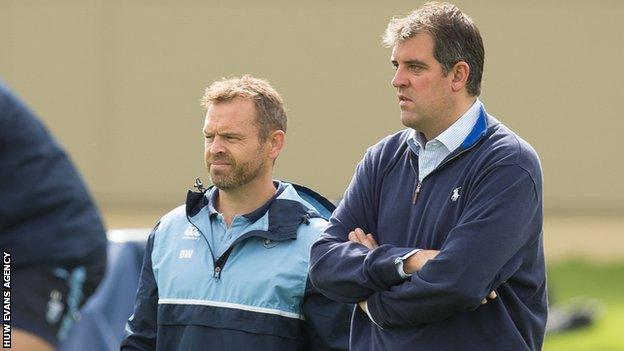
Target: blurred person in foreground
439 235
49 226
229 269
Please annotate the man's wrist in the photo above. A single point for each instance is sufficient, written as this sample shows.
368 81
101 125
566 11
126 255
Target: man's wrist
399 262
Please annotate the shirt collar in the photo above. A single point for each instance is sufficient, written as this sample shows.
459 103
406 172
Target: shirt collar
454 135
213 193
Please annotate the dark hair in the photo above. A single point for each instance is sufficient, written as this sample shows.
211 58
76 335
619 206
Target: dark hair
455 36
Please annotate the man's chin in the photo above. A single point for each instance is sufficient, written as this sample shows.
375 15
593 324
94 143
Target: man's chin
220 180
408 119
223 185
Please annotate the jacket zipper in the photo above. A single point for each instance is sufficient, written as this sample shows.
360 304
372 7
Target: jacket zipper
217 269
416 192
417 184
220 262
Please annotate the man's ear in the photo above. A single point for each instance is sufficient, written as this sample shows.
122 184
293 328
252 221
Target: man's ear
276 141
459 76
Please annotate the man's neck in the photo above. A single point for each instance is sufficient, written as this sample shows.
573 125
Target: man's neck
244 199
450 116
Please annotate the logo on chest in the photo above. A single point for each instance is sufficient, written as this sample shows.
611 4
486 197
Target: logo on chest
185 254
455 194
269 244
191 233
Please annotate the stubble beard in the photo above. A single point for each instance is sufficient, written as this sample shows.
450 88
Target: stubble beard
240 173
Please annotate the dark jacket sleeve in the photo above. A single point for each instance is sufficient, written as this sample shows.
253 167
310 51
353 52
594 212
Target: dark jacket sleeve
347 271
141 326
327 322
501 220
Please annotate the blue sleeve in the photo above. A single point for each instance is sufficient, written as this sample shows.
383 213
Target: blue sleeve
46 211
347 271
501 220
141 326
327 322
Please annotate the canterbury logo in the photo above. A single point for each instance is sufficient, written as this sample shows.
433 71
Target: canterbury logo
191 233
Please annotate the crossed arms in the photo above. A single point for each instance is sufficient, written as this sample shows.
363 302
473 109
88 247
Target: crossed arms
480 253
413 263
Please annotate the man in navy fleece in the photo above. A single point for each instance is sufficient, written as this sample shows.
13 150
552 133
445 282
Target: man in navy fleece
50 230
455 202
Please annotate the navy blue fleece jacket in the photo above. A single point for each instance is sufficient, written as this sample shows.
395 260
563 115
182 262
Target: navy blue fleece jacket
489 235
46 214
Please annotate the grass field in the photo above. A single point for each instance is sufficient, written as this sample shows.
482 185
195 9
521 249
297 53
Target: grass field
601 281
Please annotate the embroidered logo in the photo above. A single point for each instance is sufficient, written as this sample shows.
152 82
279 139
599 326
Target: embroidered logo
269 244
455 195
186 254
191 233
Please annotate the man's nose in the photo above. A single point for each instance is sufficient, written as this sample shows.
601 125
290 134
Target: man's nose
216 145
399 80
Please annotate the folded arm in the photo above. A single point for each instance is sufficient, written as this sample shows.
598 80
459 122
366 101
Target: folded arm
485 248
347 271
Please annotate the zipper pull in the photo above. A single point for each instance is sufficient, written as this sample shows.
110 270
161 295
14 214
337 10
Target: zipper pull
199 185
306 219
217 273
416 192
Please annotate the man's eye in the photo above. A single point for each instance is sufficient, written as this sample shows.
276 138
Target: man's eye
208 137
395 67
415 68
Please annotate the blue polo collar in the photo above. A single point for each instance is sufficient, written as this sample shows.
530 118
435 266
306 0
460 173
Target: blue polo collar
478 131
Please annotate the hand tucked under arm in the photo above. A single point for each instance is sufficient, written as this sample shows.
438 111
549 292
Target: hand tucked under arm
482 251
418 260
412 264
351 269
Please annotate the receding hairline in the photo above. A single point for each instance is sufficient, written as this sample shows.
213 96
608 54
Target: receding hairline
268 104
229 100
235 100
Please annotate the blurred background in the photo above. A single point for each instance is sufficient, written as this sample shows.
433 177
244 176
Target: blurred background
119 82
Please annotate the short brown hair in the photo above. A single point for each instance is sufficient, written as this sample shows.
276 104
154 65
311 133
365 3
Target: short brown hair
455 36
269 104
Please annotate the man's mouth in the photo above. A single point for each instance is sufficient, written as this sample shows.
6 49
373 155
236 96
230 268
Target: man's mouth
220 165
403 100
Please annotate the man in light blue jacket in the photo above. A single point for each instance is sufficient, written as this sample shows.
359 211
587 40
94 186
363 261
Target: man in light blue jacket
229 269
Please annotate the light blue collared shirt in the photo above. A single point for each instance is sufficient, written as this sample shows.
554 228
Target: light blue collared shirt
431 153
222 236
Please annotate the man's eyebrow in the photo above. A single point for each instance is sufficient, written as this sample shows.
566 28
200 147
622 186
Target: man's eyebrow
224 134
416 63
230 134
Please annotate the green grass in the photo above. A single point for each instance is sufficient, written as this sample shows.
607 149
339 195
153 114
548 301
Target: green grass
602 282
